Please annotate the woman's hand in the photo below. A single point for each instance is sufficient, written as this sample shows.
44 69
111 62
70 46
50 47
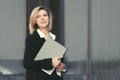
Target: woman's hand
56 61
60 67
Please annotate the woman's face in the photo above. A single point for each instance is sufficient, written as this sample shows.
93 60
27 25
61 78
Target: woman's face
42 19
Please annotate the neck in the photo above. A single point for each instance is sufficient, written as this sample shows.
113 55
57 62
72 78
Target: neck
45 31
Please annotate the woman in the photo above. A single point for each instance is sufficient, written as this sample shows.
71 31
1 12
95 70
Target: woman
40 26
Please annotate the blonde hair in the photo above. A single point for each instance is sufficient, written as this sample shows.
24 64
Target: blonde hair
32 20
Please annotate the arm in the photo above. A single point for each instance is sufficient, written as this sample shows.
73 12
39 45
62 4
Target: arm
31 49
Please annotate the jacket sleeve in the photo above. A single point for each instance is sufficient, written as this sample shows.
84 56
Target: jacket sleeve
32 47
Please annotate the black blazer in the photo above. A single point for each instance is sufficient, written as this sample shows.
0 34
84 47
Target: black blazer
33 68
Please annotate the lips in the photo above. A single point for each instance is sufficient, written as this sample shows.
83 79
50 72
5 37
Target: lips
43 22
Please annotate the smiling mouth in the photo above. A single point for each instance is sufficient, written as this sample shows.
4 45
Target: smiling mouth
43 22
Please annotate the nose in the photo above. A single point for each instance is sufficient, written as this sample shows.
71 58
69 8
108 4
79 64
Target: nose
42 18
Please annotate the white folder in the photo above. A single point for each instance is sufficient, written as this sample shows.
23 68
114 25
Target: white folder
50 49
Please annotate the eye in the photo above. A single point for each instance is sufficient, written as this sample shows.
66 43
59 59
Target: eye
45 15
38 16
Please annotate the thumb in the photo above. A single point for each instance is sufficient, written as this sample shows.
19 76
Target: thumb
59 58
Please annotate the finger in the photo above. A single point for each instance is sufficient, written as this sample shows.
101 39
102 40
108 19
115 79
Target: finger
59 58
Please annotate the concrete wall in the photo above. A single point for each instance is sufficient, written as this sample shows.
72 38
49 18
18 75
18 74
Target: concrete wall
105 26
105 29
12 28
76 29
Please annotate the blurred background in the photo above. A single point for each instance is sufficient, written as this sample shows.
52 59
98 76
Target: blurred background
88 28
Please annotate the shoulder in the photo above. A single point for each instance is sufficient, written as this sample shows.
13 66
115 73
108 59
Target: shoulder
34 38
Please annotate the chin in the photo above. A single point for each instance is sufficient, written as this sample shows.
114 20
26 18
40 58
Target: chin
43 26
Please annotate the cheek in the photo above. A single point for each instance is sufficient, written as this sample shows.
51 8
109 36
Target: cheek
37 21
48 20
38 24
